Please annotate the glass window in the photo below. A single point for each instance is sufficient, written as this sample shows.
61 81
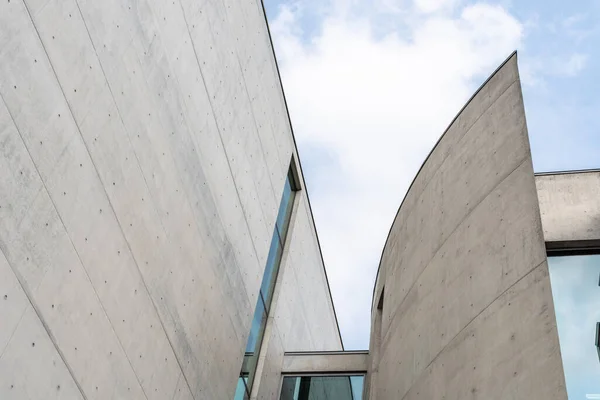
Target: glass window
241 392
285 208
258 323
357 386
576 293
266 290
322 387
290 388
271 269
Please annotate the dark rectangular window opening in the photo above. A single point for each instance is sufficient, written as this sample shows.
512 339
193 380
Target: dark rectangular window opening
267 287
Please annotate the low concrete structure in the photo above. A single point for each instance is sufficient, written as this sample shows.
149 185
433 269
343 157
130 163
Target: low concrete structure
346 362
570 209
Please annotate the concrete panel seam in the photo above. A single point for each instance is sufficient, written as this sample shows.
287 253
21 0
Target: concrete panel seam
237 57
473 319
433 176
457 140
212 108
26 211
52 200
255 124
448 237
177 385
111 205
20 278
20 318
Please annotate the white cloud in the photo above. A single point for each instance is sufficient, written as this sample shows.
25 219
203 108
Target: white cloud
377 94
580 27
574 64
534 71
573 20
429 6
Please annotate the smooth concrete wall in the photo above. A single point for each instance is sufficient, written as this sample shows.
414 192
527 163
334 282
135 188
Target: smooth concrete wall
570 208
144 146
467 310
325 362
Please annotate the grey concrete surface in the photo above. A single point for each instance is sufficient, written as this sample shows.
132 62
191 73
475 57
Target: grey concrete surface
467 310
570 208
323 362
144 148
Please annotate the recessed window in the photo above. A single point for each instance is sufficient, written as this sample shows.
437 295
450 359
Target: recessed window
267 287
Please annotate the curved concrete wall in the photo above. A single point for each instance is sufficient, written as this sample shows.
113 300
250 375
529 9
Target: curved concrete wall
467 310
143 150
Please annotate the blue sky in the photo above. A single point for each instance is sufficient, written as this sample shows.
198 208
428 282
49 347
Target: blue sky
372 84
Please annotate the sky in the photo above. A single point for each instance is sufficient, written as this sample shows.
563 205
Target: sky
372 84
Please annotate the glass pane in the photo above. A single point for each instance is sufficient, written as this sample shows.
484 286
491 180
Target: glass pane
322 388
357 386
290 387
285 209
258 322
267 285
270 274
254 342
576 294
240 390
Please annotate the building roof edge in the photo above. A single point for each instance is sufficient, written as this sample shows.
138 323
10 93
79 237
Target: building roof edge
568 172
510 57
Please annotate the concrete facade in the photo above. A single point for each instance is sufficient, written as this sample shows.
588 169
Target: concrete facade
144 146
570 209
462 305
326 362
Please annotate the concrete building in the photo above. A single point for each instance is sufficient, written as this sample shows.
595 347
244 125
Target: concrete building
157 241
463 304
144 151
